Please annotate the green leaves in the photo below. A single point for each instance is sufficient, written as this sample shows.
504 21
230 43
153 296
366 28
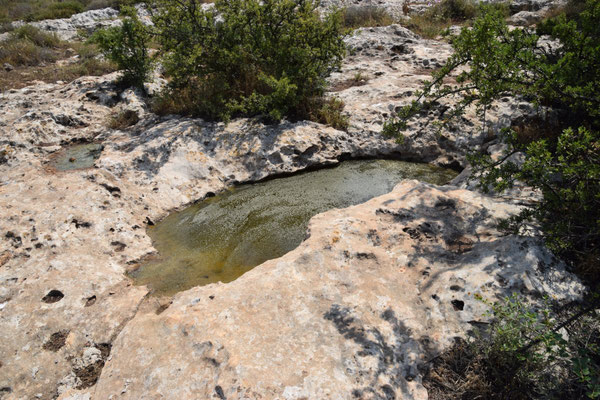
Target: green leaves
530 354
249 57
127 46
562 161
587 372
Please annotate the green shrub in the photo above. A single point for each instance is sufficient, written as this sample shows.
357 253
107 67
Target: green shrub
366 16
248 57
564 167
525 353
127 47
521 348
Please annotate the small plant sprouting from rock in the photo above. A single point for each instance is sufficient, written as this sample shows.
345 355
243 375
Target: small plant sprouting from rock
123 119
331 112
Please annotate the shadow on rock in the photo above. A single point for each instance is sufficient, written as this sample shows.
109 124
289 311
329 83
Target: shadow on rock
393 366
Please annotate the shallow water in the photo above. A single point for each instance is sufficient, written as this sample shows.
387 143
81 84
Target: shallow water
223 237
77 156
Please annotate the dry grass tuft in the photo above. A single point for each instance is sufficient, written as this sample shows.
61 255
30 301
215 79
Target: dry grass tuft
435 20
366 16
123 120
39 64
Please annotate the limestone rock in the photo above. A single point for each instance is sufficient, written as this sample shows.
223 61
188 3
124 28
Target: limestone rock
534 5
68 238
525 18
89 21
393 63
354 312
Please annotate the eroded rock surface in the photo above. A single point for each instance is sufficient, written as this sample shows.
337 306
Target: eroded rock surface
76 232
384 69
354 312
331 321
88 21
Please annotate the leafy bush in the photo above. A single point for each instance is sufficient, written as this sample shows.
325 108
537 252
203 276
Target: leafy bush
564 167
247 57
366 16
127 46
524 354
521 348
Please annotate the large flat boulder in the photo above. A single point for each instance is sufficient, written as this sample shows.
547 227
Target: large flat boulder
354 312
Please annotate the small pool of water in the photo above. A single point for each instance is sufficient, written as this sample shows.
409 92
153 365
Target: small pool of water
77 156
225 236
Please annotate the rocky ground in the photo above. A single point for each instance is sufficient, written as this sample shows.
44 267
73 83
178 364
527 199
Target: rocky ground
355 311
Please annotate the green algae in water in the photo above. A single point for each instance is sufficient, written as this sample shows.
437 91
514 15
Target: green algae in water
223 237
77 156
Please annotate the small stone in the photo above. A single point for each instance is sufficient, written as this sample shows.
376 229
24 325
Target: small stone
7 67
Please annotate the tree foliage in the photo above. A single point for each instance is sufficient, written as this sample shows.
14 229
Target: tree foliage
248 57
127 46
562 73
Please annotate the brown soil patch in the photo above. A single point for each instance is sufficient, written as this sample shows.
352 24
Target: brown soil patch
90 374
348 83
57 341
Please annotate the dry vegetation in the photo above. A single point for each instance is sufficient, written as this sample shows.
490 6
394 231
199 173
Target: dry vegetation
369 16
36 10
36 55
359 79
480 369
435 20
123 120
